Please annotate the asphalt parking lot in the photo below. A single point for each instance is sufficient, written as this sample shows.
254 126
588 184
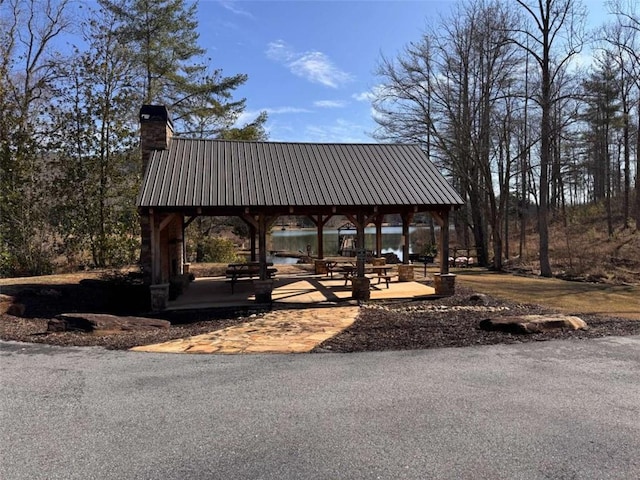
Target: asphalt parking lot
560 409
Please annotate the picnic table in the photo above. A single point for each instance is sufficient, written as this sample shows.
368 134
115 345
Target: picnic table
381 272
339 266
236 271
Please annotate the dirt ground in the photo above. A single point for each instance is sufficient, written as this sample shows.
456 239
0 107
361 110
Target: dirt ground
389 325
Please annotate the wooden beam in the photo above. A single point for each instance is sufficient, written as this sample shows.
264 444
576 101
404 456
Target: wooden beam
166 221
438 217
191 219
249 220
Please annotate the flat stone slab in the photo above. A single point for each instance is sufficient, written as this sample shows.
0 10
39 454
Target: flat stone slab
279 331
533 323
104 323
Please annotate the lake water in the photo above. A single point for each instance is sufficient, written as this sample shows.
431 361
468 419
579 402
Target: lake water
297 240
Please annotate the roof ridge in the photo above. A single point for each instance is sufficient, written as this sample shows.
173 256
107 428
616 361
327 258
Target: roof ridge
281 142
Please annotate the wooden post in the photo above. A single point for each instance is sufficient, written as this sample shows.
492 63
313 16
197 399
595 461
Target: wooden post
360 221
361 250
319 222
444 243
360 284
407 218
262 245
184 244
252 242
157 225
253 227
378 223
442 217
155 249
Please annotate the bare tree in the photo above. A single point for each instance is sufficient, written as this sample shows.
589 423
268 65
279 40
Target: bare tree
556 26
28 69
449 92
625 36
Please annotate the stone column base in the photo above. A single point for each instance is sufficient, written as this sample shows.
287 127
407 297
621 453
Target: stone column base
405 273
445 284
321 267
177 285
159 296
263 290
360 288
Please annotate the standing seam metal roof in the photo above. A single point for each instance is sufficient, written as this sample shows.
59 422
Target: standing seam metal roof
221 173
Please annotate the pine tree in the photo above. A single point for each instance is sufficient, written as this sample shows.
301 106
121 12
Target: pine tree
96 158
169 65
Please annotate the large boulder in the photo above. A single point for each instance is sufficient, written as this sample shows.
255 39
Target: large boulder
103 323
533 323
9 306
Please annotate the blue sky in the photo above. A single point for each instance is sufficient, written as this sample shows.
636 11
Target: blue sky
311 63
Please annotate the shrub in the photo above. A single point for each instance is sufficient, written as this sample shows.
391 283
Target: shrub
219 250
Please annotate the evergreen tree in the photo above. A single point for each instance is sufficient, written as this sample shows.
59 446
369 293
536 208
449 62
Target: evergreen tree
602 115
162 38
97 150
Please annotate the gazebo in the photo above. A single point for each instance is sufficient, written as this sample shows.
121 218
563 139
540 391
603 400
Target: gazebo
260 181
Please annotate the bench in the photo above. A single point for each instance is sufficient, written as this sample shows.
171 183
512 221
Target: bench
348 276
244 270
386 277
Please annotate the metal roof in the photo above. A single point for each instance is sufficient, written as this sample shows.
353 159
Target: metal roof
221 173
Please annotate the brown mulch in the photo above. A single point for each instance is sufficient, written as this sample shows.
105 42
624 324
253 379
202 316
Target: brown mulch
445 322
453 322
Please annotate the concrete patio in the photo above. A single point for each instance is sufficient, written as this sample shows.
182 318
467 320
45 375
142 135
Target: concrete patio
292 287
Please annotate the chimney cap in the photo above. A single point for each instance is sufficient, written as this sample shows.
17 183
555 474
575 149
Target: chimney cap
155 113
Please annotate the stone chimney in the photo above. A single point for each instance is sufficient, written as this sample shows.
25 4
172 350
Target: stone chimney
156 130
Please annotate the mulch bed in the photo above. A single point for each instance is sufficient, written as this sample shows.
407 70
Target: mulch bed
437 323
453 322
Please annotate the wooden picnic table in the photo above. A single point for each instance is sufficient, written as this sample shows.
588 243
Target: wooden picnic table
337 265
236 271
381 272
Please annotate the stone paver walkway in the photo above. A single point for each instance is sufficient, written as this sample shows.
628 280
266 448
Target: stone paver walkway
279 331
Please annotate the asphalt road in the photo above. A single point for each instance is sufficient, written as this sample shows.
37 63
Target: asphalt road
552 410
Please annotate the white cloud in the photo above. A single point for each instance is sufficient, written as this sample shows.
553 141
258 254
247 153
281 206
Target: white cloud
232 6
314 66
281 110
582 60
329 103
279 51
249 116
283 128
371 94
363 96
340 131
